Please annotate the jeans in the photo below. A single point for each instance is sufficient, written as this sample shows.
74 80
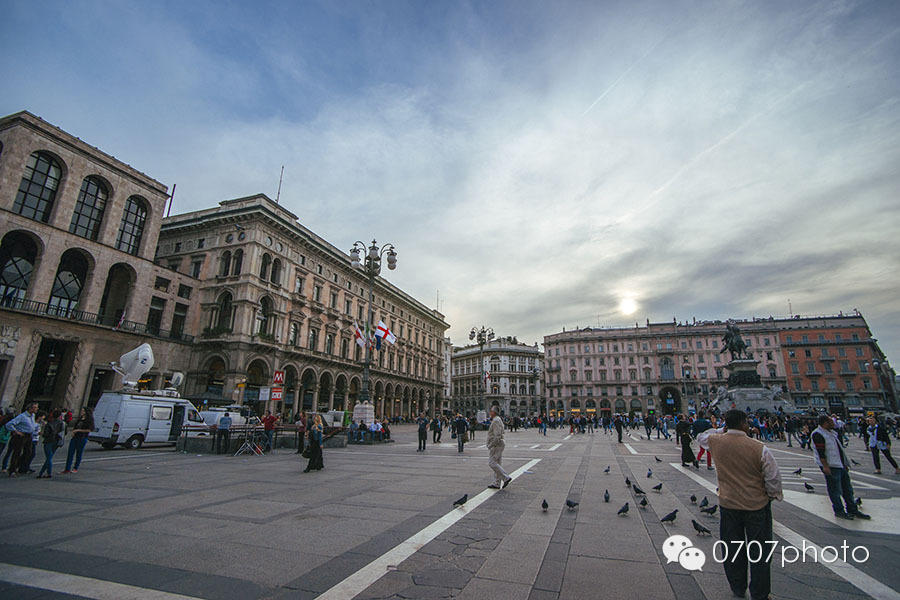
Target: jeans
49 451
544 428
460 441
270 439
790 435
76 449
747 526
839 487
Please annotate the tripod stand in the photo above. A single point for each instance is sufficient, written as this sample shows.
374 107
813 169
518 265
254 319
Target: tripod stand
249 445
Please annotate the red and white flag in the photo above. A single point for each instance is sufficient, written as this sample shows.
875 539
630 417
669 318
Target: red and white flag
382 331
358 334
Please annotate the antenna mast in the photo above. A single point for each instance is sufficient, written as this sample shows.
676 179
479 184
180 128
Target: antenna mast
278 195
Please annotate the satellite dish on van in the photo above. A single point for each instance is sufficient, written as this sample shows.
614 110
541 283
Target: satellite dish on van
177 380
132 365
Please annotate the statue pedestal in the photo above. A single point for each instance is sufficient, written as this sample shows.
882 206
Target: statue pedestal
746 391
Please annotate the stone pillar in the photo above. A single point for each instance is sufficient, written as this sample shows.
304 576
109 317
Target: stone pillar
331 399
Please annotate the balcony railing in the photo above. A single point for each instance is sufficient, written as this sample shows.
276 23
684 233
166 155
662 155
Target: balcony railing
45 309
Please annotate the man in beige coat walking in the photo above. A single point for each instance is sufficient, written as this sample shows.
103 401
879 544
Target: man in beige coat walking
495 446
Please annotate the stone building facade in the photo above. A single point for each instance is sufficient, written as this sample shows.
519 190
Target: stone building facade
275 297
816 362
834 364
78 286
513 382
661 367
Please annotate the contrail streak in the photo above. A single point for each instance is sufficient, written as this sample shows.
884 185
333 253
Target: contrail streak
621 77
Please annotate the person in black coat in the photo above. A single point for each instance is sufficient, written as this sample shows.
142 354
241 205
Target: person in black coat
683 433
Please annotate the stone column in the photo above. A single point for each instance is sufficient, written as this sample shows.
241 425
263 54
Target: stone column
331 399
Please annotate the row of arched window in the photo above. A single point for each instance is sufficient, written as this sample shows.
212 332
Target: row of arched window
37 194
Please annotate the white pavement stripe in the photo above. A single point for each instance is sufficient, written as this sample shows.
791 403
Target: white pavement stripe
567 437
533 446
863 582
381 566
550 449
630 449
87 587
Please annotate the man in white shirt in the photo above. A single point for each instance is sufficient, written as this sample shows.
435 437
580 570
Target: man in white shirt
829 455
495 447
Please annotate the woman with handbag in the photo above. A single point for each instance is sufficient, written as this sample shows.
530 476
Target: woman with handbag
314 449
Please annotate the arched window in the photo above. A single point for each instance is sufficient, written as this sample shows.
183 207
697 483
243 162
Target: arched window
238 262
37 190
264 318
18 254
225 264
666 369
132 228
68 284
215 377
276 271
264 267
88 215
225 311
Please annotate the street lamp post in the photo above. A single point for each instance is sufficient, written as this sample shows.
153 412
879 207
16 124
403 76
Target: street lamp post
482 336
371 266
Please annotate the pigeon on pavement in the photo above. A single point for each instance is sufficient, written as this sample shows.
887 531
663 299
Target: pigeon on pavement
700 529
462 500
808 487
798 471
657 459
606 496
669 518
638 490
649 472
658 487
606 470
705 502
544 505
627 482
571 504
623 510
693 499
643 503
711 510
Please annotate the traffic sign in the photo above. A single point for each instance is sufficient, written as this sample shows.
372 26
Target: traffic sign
278 377
276 393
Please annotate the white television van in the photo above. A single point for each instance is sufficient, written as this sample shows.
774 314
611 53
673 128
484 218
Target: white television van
131 419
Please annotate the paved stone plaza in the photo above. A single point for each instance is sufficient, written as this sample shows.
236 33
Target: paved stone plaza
378 522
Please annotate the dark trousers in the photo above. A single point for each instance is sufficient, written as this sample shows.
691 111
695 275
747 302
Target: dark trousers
75 451
460 441
687 453
31 451
17 450
839 487
619 431
877 459
747 526
223 440
423 436
435 436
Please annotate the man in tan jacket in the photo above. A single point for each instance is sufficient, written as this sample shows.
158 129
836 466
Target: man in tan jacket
748 482
495 447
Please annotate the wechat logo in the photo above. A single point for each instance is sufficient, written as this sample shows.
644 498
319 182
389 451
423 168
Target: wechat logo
680 549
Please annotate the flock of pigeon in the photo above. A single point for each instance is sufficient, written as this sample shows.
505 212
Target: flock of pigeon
704 505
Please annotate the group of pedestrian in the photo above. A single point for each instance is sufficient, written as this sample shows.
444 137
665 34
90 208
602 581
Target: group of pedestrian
21 434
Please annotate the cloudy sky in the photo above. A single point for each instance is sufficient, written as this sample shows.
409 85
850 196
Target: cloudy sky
542 164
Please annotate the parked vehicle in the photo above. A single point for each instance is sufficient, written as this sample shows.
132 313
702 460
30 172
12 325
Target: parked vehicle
212 415
133 419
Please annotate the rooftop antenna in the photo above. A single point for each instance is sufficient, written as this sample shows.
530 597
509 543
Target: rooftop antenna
171 199
278 195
